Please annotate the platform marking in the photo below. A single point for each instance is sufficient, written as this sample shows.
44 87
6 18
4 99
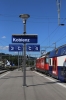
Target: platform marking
4 74
50 79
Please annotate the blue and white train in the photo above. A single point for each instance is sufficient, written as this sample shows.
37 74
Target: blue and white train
56 60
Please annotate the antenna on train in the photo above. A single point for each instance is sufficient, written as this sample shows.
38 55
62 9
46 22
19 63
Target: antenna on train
58 8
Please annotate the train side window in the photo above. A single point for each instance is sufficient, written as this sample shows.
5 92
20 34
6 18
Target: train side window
50 61
55 64
64 65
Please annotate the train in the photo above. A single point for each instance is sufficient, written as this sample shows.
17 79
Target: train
53 63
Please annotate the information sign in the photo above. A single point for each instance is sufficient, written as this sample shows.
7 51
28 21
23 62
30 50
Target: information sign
33 47
13 47
24 38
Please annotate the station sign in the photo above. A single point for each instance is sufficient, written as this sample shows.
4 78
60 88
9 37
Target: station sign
24 38
15 47
33 47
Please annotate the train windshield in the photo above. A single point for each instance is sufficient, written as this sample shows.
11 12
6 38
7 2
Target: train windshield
47 60
64 68
64 65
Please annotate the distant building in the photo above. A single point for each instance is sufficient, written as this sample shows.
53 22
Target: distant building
7 63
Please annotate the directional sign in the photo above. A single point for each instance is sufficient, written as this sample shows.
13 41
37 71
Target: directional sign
24 38
33 47
13 47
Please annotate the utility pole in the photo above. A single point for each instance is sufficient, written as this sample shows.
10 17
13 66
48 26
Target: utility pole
58 9
55 44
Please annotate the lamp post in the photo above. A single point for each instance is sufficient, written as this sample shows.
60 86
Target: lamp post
24 18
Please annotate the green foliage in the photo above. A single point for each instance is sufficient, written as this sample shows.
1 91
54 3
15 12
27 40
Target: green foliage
11 58
14 59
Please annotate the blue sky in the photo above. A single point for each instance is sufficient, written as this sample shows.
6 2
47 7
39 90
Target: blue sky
43 21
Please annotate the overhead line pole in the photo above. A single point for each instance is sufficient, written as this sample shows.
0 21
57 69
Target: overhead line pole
58 8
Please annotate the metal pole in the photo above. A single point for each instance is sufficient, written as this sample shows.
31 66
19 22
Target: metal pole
18 60
55 45
24 17
24 61
58 7
29 60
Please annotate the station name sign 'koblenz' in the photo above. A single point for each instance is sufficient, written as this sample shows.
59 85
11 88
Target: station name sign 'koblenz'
24 38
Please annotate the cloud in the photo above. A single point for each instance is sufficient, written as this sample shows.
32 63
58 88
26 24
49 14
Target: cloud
4 47
3 37
15 52
1 47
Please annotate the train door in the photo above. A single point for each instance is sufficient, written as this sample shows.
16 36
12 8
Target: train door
42 63
46 63
39 63
54 65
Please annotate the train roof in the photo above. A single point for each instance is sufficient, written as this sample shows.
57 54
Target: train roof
60 51
45 55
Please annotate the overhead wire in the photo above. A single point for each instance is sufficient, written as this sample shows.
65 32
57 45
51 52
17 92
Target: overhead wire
52 32
38 22
39 17
56 33
60 38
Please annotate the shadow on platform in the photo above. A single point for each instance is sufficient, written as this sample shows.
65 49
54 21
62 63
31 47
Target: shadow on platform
45 83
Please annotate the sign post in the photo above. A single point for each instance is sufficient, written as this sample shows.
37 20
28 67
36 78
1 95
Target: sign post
24 38
18 60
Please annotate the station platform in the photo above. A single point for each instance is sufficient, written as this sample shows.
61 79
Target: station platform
37 87
3 71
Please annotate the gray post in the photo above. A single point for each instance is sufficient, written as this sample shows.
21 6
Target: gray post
24 61
24 17
29 60
18 60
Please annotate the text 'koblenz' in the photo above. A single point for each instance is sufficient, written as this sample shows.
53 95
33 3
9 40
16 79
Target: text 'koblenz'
21 40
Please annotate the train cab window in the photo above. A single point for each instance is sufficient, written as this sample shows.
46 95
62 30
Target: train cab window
46 60
64 65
